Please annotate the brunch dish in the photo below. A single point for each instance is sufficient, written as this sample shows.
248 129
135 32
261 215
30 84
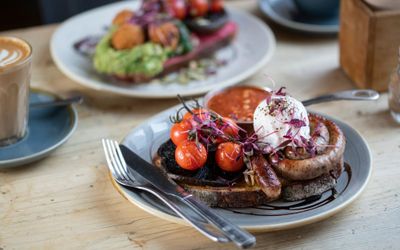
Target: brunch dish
161 37
159 48
293 167
288 154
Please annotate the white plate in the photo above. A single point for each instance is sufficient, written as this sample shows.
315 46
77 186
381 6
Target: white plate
252 49
146 138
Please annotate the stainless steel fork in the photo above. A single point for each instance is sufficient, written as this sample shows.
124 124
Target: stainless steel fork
118 168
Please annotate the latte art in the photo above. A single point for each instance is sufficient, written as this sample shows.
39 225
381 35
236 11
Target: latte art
12 52
9 57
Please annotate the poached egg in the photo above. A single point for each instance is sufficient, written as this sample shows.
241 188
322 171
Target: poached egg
281 118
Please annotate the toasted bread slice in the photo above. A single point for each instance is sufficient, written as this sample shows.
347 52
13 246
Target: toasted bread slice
242 195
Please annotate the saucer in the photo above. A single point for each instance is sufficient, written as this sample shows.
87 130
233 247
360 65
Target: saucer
286 13
48 128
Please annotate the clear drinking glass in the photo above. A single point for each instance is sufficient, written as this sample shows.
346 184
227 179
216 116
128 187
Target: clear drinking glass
15 72
394 93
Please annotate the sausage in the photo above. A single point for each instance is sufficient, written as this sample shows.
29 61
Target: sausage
266 177
319 136
312 167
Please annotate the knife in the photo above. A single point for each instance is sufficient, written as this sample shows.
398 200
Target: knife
160 180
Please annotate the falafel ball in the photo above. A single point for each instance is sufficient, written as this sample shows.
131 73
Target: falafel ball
122 17
127 36
166 34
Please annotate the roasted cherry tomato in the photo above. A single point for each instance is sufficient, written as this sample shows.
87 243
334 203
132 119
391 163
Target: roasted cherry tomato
198 8
190 155
180 132
216 5
229 128
177 8
229 156
201 113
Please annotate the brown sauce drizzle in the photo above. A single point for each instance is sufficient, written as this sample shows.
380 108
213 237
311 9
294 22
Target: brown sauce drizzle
282 208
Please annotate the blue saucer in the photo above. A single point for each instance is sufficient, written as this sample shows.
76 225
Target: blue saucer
48 128
286 13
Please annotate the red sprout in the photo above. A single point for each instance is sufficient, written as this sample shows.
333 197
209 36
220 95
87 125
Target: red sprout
296 123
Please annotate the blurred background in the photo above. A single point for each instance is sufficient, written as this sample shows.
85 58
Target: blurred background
25 13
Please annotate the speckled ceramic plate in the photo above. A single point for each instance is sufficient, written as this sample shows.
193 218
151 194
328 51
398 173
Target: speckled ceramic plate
147 137
251 50
48 128
285 13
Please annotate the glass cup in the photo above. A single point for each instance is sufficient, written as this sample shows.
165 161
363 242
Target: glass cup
15 72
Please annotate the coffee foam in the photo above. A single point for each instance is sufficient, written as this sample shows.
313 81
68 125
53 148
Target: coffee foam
12 51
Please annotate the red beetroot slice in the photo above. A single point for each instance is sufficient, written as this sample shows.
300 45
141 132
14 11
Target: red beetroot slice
207 45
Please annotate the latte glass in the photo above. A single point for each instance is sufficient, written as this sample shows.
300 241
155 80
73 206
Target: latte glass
15 72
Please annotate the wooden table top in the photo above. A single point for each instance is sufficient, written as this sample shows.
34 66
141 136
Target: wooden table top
68 201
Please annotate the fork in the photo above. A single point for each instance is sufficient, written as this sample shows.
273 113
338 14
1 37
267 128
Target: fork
118 168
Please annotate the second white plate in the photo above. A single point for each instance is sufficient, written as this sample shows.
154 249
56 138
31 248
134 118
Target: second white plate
251 50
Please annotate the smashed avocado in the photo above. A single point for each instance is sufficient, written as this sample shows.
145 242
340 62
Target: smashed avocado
147 58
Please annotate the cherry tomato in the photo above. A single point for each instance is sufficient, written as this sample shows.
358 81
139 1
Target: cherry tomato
177 8
229 156
201 113
229 128
191 155
180 132
198 8
216 5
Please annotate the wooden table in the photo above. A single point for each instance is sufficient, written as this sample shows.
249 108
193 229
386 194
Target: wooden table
68 201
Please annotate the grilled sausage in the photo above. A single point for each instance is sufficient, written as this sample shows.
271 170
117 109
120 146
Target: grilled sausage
312 167
319 136
266 177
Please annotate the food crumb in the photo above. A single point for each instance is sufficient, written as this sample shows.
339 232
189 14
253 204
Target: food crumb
51 199
91 186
